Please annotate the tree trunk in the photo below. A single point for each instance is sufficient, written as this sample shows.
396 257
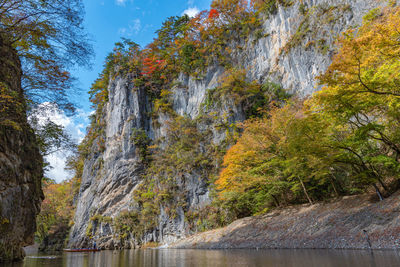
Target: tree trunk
305 190
378 192
383 185
333 185
276 201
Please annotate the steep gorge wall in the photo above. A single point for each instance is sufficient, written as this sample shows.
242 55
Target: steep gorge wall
20 162
294 46
110 177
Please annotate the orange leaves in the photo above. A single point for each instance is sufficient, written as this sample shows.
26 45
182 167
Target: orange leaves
151 65
235 161
57 207
259 144
155 73
58 200
230 7
213 14
240 158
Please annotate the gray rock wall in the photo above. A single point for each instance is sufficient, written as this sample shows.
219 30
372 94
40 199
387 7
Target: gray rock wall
20 162
110 177
312 34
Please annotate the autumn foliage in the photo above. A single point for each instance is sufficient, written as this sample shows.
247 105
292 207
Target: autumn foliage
49 39
213 14
151 65
56 213
344 140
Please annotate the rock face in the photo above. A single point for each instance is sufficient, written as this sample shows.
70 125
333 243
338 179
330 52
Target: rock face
110 177
294 47
20 163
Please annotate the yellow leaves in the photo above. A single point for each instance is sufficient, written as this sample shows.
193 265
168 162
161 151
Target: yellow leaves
364 74
367 56
371 15
234 84
249 151
237 160
11 108
23 45
4 221
351 125
6 97
273 153
60 197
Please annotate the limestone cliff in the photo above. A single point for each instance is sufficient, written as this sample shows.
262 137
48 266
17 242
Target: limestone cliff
20 162
295 43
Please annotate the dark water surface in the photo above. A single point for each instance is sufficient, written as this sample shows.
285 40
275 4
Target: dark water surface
190 257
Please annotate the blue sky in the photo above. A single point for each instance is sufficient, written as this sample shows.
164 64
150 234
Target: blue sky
107 21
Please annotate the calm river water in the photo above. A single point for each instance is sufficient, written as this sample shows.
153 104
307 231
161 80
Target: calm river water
189 257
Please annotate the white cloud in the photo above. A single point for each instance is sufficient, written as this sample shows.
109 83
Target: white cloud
136 26
191 12
57 163
121 2
75 126
122 31
133 28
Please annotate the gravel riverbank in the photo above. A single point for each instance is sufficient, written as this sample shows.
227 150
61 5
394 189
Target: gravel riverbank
339 225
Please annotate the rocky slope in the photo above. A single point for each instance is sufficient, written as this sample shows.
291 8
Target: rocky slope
295 45
20 163
337 225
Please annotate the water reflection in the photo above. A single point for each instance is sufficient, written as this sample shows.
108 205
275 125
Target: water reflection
219 258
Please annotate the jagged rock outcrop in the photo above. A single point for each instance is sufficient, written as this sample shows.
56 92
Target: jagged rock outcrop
292 48
20 162
110 177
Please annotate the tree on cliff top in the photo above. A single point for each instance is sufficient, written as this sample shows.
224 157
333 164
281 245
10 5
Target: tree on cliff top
49 38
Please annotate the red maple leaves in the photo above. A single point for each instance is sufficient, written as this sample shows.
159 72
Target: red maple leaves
213 14
151 65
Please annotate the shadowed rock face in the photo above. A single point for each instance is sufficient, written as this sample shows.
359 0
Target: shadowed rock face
20 163
110 177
